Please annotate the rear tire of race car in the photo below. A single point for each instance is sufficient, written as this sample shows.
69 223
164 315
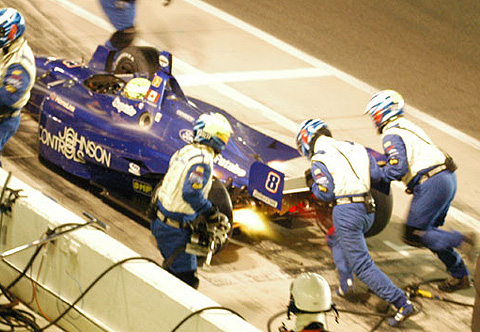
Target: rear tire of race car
383 213
219 196
137 59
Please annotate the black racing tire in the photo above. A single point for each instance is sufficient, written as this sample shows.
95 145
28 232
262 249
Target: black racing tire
137 59
219 196
383 213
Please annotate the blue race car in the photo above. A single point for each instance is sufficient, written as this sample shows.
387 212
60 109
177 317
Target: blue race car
91 129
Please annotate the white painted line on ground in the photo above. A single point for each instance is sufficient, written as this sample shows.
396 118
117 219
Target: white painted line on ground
455 133
464 219
248 76
403 250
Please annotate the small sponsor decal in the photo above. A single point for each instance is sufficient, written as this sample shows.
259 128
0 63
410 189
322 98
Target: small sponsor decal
65 104
142 187
152 96
13 83
10 89
185 116
186 135
163 61
229 166
261 197
123 107
322 188
157 80
71 64
196 178
134 169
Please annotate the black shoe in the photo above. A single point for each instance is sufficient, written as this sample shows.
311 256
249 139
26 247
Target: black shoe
453 284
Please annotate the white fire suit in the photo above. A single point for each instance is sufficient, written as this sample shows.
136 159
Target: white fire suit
17 75
341 172
420 165
181 198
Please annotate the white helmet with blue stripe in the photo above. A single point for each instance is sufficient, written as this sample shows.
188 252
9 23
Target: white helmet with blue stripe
307 132
12 26
383 106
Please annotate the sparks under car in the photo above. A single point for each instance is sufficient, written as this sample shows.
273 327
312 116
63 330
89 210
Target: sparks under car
88 128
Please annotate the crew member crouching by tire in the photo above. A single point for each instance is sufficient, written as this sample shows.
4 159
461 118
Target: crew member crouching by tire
183 195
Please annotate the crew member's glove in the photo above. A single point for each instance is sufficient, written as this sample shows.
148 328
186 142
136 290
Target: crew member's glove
218 225
309 178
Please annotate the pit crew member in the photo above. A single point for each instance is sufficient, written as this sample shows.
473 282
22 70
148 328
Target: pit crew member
121 14
341 172
183 195
428 174
17 72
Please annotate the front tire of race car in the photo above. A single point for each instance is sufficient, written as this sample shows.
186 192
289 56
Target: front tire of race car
137 59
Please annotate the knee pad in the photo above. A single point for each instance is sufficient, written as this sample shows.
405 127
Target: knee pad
123 38
413 236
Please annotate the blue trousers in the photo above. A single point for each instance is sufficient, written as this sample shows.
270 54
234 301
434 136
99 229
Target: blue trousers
121 17
168 240
351 256
430 203
8 128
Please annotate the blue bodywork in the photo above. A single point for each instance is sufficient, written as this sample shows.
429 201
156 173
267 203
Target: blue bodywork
89 129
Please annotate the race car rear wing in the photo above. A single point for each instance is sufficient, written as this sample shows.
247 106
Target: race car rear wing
266 184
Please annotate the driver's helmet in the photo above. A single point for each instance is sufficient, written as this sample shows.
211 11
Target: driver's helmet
136 88
383 106
12 26
212 129
308 130
310 293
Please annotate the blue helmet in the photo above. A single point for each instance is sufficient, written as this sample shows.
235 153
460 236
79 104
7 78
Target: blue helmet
383 106
213 130
308 130
12 26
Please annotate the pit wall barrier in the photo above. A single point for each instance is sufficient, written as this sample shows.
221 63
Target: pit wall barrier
135 296
476 307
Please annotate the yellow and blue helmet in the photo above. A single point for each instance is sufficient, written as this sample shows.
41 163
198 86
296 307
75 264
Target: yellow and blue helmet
136 88
212 129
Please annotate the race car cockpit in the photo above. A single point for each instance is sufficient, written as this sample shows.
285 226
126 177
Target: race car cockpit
105 84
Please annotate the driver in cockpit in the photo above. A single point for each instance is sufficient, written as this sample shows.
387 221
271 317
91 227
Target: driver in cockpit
136 88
